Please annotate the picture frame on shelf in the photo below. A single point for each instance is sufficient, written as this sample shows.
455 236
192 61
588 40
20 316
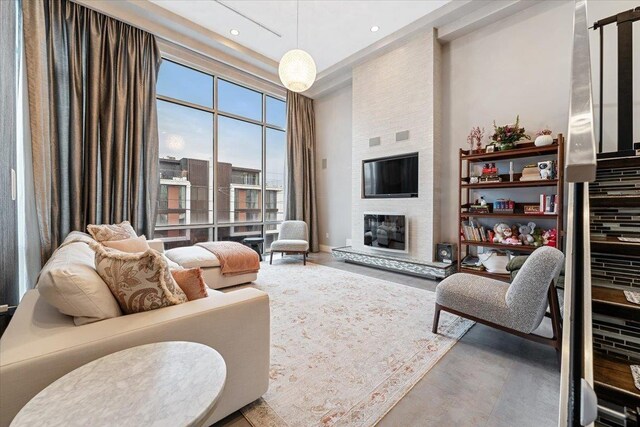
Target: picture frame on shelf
531 208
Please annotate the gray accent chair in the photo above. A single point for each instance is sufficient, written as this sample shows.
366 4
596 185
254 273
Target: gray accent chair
293 239
517 308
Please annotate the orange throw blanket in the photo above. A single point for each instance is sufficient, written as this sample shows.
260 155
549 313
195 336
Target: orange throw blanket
235 258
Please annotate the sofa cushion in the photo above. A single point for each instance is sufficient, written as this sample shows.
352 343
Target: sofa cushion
132 245
192 256
139 281
191 282
70 283
106 232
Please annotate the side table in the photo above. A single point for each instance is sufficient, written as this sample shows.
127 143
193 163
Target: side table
254 243
162 384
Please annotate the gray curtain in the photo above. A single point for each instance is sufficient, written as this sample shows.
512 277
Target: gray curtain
91 82
301 158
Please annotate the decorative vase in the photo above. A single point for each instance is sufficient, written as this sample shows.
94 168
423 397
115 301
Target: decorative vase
543 140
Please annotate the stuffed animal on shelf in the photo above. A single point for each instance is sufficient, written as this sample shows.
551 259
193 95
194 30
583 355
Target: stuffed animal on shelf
510 238
526 233
550 238
499 230
515 232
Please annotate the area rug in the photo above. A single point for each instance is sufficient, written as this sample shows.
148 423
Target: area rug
345 348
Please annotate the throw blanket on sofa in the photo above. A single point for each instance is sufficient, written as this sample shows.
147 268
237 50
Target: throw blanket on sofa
235 258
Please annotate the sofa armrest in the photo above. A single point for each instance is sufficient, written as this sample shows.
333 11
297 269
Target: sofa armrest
236 324
156 245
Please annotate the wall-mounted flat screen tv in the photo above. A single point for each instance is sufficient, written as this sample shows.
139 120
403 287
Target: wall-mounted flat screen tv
390 177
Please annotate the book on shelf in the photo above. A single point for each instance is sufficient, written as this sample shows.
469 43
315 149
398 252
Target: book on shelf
480 209
472 262
549 204
540 171
474 232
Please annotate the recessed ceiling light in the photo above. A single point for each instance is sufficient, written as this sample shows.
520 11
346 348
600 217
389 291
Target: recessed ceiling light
234 32
374 28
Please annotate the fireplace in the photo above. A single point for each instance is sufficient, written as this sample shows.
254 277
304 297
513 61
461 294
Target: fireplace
386 232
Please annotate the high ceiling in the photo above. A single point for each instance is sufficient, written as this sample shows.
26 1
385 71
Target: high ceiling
329 30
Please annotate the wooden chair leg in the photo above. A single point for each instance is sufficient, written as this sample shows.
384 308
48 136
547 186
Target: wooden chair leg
271 258
304 258
436 319
556 321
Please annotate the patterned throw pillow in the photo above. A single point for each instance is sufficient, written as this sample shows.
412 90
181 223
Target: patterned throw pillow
107 232
139 281
191 282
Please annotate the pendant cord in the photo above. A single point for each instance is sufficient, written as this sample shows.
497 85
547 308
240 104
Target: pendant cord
297 25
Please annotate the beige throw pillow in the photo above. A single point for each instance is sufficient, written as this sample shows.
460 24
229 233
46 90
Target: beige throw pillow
109 232
70 283
139 281
133 245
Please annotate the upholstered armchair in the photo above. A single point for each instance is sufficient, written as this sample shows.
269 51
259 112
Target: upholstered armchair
517 308
293 239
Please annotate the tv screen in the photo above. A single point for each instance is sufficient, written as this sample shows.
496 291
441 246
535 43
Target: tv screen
391 176
386 231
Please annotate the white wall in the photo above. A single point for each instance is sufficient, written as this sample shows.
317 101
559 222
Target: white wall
395 92
333 143
518 65
521 65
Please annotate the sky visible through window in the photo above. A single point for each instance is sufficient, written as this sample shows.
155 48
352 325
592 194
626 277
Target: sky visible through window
183 129
185 83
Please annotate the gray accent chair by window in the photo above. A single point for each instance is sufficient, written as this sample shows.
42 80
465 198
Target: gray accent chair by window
293 239
517 308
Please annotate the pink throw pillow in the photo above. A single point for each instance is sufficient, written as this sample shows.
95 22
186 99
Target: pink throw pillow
191 282
132 246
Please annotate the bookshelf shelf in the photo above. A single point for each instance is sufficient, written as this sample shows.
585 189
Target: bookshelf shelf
524 150
522 248
466 160
508 184
506 215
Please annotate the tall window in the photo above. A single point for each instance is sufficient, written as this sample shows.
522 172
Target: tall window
222 159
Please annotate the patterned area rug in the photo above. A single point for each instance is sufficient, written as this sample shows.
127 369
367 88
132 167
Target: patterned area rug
345 348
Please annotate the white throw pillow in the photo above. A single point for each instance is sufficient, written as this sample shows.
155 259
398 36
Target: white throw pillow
70 283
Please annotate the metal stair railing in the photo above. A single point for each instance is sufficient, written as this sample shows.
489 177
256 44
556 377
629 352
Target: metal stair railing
578 404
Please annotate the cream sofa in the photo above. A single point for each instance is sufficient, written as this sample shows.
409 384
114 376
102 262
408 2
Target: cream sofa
41 344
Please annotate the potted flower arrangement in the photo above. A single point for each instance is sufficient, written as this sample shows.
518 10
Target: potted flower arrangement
543 138
505 137
475 138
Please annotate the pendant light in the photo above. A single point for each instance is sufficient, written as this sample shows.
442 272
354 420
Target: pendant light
297 70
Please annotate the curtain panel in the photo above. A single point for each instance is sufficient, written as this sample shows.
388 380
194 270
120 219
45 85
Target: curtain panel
91 86
301 158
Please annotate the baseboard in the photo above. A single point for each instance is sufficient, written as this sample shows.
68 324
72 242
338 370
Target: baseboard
326 248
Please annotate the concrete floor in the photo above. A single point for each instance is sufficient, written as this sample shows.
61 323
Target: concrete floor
489 378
